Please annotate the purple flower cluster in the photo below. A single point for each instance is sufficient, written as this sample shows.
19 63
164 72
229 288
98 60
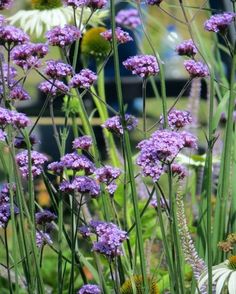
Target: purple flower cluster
187 47
81 184
162 148
178 171
84 79
28 55
63 36
5 214
44 217
42 239
219 22
5 4
53 87
114 124
178 119
85 231
5 193
196 69
18 93
154 2
37 160
89 289
20 143
75 3
14 118
56 69
110 238
78 162
163 203
11 74
122 37
12 36
142 65
93 4
56 167
128 18
83 143
107 175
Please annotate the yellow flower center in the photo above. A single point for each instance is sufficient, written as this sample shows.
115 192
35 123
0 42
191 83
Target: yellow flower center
232 262
127 288
45 4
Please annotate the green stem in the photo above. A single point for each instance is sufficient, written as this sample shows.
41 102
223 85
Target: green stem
144 86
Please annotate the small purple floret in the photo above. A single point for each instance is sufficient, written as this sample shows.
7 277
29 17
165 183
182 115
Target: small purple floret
83 143
12 36
219 22
128 18
54 88
122 37
187 48
56 69
114 124
84 79
89 289
196 69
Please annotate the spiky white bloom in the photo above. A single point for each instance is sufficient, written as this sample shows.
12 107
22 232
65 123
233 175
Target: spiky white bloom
223 276
37 22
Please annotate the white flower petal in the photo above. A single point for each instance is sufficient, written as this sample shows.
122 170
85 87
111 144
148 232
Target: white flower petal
216 274
221 281
232 283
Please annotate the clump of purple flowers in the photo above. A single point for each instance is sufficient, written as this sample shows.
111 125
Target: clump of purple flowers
89 289
142 65
187 47
43 239
78 162
110 238
63 36
56 69
196 69
53 87
96 4
83 143
114 124
82 184
20 142
11 36
84 79
122 37
5 214
178 119
13 118
107 175
37 161
5 4
44 225
219 22
154 2
128 18
5 192
28 55
44 217
19 93
178 171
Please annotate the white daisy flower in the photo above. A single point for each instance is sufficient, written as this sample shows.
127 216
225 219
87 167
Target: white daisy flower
37 21
223 276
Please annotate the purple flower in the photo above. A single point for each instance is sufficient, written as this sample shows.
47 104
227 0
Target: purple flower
44 217
96 4
12 72
190 141
219 22
83 143
5 192
19 120
2 135
56 167
43 239
5 4
56 69
178 119
187 47
89 289
178 171
122 37
107 174
75 3
37 161
154 2
12 36
111 188
53 88
128 17
81 184
196 69
78 162
142 65
5 117
162 203
84 79
28 55
18 93
5 214
110 238
63 36
20 143
85 231
2 20
114 124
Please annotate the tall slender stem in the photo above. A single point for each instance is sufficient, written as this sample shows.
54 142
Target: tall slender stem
144 86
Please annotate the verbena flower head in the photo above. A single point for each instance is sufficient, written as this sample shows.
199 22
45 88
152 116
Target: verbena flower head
114 124
110 238
111 188
53 87
128 18
5 192
107 174
96 4
187 47
14 118
163 203
56 167
37 161
178 119
28 55
85 231
84 79
122 37
63 36
219 22
5 4
20 142
154 2
11 36
196 69
81 184
89 289
43 239
75 3
83 143
142 65
12 72
78 162
5 214
44 217
178 171
56 69
18 93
